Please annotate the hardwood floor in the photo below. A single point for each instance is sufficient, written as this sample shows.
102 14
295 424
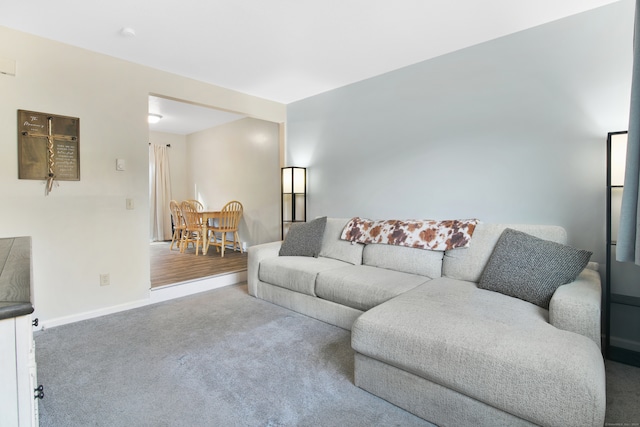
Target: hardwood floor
170 266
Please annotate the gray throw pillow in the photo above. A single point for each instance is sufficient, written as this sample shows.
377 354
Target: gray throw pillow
531 269
304 239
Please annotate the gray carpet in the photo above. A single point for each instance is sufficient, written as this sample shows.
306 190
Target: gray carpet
223 358
220 358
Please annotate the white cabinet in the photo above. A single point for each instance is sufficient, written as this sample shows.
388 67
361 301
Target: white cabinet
18 379
18 382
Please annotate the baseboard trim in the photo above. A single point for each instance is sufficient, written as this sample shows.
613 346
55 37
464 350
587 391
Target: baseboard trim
623 355
625 344
91 314
156 295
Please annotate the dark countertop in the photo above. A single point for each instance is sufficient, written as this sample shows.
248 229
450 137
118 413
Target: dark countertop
15 277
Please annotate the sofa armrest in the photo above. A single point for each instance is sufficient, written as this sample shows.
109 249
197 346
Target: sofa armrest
576 306
256 254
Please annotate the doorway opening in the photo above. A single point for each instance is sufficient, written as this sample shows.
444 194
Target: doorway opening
215 156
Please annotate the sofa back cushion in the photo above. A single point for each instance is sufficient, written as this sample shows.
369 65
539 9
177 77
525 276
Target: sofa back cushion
401 258
336 248
469 263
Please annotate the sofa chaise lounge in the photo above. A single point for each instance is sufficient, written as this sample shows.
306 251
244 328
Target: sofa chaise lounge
431 340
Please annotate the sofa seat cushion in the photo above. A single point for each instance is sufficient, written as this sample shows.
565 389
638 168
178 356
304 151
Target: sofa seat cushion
363 287
491 347
296 273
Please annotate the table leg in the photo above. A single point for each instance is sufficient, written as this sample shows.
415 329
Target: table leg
205 237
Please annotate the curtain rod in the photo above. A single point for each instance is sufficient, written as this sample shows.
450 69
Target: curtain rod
168 145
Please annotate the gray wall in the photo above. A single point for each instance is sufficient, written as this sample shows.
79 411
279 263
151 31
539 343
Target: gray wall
512 130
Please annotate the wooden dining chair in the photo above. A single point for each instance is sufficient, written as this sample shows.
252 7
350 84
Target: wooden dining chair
178 224
193 227
198 206
228 222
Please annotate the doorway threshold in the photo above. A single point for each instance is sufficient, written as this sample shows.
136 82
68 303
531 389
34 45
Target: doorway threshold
190 287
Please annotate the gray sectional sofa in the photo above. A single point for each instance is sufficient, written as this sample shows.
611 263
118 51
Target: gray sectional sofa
428 339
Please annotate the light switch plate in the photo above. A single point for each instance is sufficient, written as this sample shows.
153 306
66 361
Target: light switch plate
120 164
104 279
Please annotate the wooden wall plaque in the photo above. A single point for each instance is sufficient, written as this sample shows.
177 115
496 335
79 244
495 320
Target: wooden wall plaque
48 146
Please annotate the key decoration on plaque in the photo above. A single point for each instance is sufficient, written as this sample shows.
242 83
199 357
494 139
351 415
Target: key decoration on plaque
48 147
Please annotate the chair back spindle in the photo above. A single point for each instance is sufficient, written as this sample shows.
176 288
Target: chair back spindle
192 219
228 222
178 223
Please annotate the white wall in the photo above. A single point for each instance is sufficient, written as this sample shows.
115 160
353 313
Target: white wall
82 229
239 161
512 130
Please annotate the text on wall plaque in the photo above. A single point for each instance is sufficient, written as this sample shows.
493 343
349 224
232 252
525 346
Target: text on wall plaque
48 147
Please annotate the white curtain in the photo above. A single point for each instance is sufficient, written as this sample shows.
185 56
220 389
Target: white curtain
159 193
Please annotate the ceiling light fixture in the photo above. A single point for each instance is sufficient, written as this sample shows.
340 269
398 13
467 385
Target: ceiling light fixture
128 32
154 118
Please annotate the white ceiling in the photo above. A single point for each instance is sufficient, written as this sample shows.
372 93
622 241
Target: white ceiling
182 118
282 50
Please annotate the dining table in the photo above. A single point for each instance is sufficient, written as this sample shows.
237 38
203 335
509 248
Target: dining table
205 216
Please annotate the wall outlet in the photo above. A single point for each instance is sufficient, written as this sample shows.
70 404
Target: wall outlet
104 279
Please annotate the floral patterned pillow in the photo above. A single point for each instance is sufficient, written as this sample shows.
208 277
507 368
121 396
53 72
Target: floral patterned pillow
421 234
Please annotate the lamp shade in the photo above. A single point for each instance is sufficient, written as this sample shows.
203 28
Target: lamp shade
294 180
618 158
